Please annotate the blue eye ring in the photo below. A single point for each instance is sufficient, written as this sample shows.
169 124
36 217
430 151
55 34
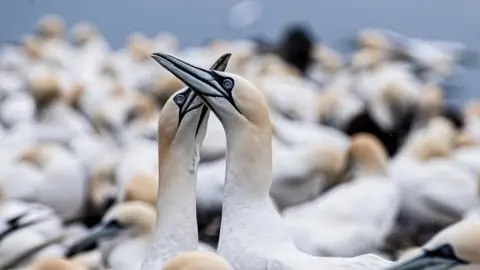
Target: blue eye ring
179 99
227 84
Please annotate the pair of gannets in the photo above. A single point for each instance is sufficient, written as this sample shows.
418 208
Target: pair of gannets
180 136
252 234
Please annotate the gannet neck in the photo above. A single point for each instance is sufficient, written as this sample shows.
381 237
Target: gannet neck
249 162
176 227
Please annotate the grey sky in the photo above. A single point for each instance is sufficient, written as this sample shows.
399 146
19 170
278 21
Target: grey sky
193 21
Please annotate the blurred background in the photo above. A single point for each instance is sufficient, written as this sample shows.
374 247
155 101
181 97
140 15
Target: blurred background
374 106
331 22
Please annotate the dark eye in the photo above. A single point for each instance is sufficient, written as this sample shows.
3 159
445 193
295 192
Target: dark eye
227 84
115 224
179 99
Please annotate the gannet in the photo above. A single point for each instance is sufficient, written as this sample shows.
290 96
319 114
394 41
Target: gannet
64 183
56 264
456 247
252 233
28 231
354 217
435 189
197 261
123 236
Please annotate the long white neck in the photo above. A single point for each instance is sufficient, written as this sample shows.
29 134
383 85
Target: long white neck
247 183
176 228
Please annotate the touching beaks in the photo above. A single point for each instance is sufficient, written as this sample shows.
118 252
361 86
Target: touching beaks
438 259
206 83
189 96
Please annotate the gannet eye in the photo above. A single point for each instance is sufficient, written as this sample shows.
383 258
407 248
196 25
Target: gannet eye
227 84
179 99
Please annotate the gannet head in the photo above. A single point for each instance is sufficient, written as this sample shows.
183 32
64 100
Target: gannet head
133 218
367 59
175 115
232 98
83 32
437 140
75 95
465 139
330 60
431 100
45 90
455 246
374 39
139 47
367 155
56 264
103 188
336 107
472 110
51 26
142 188
142 109
39 154
197 260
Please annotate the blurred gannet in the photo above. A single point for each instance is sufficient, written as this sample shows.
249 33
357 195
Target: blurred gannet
435 189
51 30
197 261
123 236
456 247
252 234
141 119
471 114
28 232
52 111
63 184
302 172
355 217
91 50
142 188
56 264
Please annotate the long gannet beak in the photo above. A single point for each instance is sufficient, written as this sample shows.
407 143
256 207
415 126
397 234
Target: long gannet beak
438 259
21 221
221 65
207 83
90 241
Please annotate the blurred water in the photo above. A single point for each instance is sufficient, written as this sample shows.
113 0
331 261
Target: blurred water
194 21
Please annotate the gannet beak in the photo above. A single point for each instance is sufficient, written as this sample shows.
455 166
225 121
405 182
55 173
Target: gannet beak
221 65
5 229
16 223
89 242
204 82
442 258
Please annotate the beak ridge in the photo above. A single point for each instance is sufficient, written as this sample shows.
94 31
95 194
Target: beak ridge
198 79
